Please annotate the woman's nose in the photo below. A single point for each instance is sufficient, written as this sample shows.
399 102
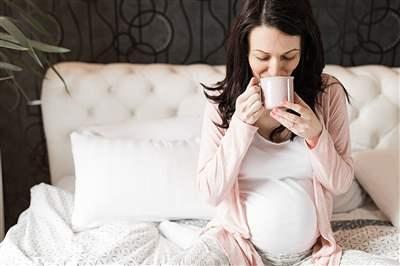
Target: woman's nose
275 68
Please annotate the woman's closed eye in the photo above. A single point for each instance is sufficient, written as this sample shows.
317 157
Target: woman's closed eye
286 58
263 58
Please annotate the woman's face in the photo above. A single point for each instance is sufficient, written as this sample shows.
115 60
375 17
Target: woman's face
272 52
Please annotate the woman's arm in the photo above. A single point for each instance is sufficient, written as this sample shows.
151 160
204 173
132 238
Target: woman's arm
221 154
331 157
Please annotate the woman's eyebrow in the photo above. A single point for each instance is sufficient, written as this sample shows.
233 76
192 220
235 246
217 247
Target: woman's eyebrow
294 49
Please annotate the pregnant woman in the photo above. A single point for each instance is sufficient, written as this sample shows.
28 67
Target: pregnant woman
272 173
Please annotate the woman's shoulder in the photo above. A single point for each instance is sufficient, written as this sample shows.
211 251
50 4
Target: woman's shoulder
333 97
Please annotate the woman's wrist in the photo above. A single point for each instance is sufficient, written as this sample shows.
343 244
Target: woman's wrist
313 141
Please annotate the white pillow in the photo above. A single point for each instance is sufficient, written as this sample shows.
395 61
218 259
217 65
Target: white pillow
134 180
173 128
378 173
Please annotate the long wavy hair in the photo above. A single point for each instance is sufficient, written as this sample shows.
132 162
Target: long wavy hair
293 17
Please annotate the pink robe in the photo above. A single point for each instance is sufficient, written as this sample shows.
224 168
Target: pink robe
221 154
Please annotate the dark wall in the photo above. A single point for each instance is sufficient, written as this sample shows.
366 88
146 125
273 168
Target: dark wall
354 32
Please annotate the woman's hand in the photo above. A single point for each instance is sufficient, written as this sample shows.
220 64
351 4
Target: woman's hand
249 107
307 125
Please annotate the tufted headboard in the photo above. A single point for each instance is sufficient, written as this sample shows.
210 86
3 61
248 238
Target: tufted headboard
111 93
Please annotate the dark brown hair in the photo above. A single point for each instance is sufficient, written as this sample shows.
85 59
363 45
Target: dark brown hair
293 17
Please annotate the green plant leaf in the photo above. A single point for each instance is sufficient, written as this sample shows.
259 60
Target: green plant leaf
19 88
8 37
10 67
11 28
6 78
62 79
12 35
11 45
44 58
27 16
47 48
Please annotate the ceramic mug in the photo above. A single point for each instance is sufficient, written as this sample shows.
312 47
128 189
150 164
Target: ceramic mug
277 89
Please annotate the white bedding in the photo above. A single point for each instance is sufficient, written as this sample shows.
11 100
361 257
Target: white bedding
43 236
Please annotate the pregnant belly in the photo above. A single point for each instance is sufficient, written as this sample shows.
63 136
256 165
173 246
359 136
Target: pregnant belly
281 215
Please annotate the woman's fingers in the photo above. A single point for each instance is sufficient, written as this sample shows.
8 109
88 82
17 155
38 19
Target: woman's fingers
254 107
249 92
249 102
252 99
256 115
284 121
294 106
288 116
252 104
251 88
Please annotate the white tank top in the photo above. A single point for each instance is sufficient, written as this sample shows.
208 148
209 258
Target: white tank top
276 189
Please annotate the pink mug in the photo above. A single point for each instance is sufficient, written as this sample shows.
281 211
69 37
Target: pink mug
277 89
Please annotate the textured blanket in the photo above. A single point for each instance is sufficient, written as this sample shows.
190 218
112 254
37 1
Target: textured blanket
43 236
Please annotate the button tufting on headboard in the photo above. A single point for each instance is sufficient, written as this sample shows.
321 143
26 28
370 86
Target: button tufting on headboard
90 111
131 113
110 89
112 93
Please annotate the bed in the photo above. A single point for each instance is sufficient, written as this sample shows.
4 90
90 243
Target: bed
106 95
